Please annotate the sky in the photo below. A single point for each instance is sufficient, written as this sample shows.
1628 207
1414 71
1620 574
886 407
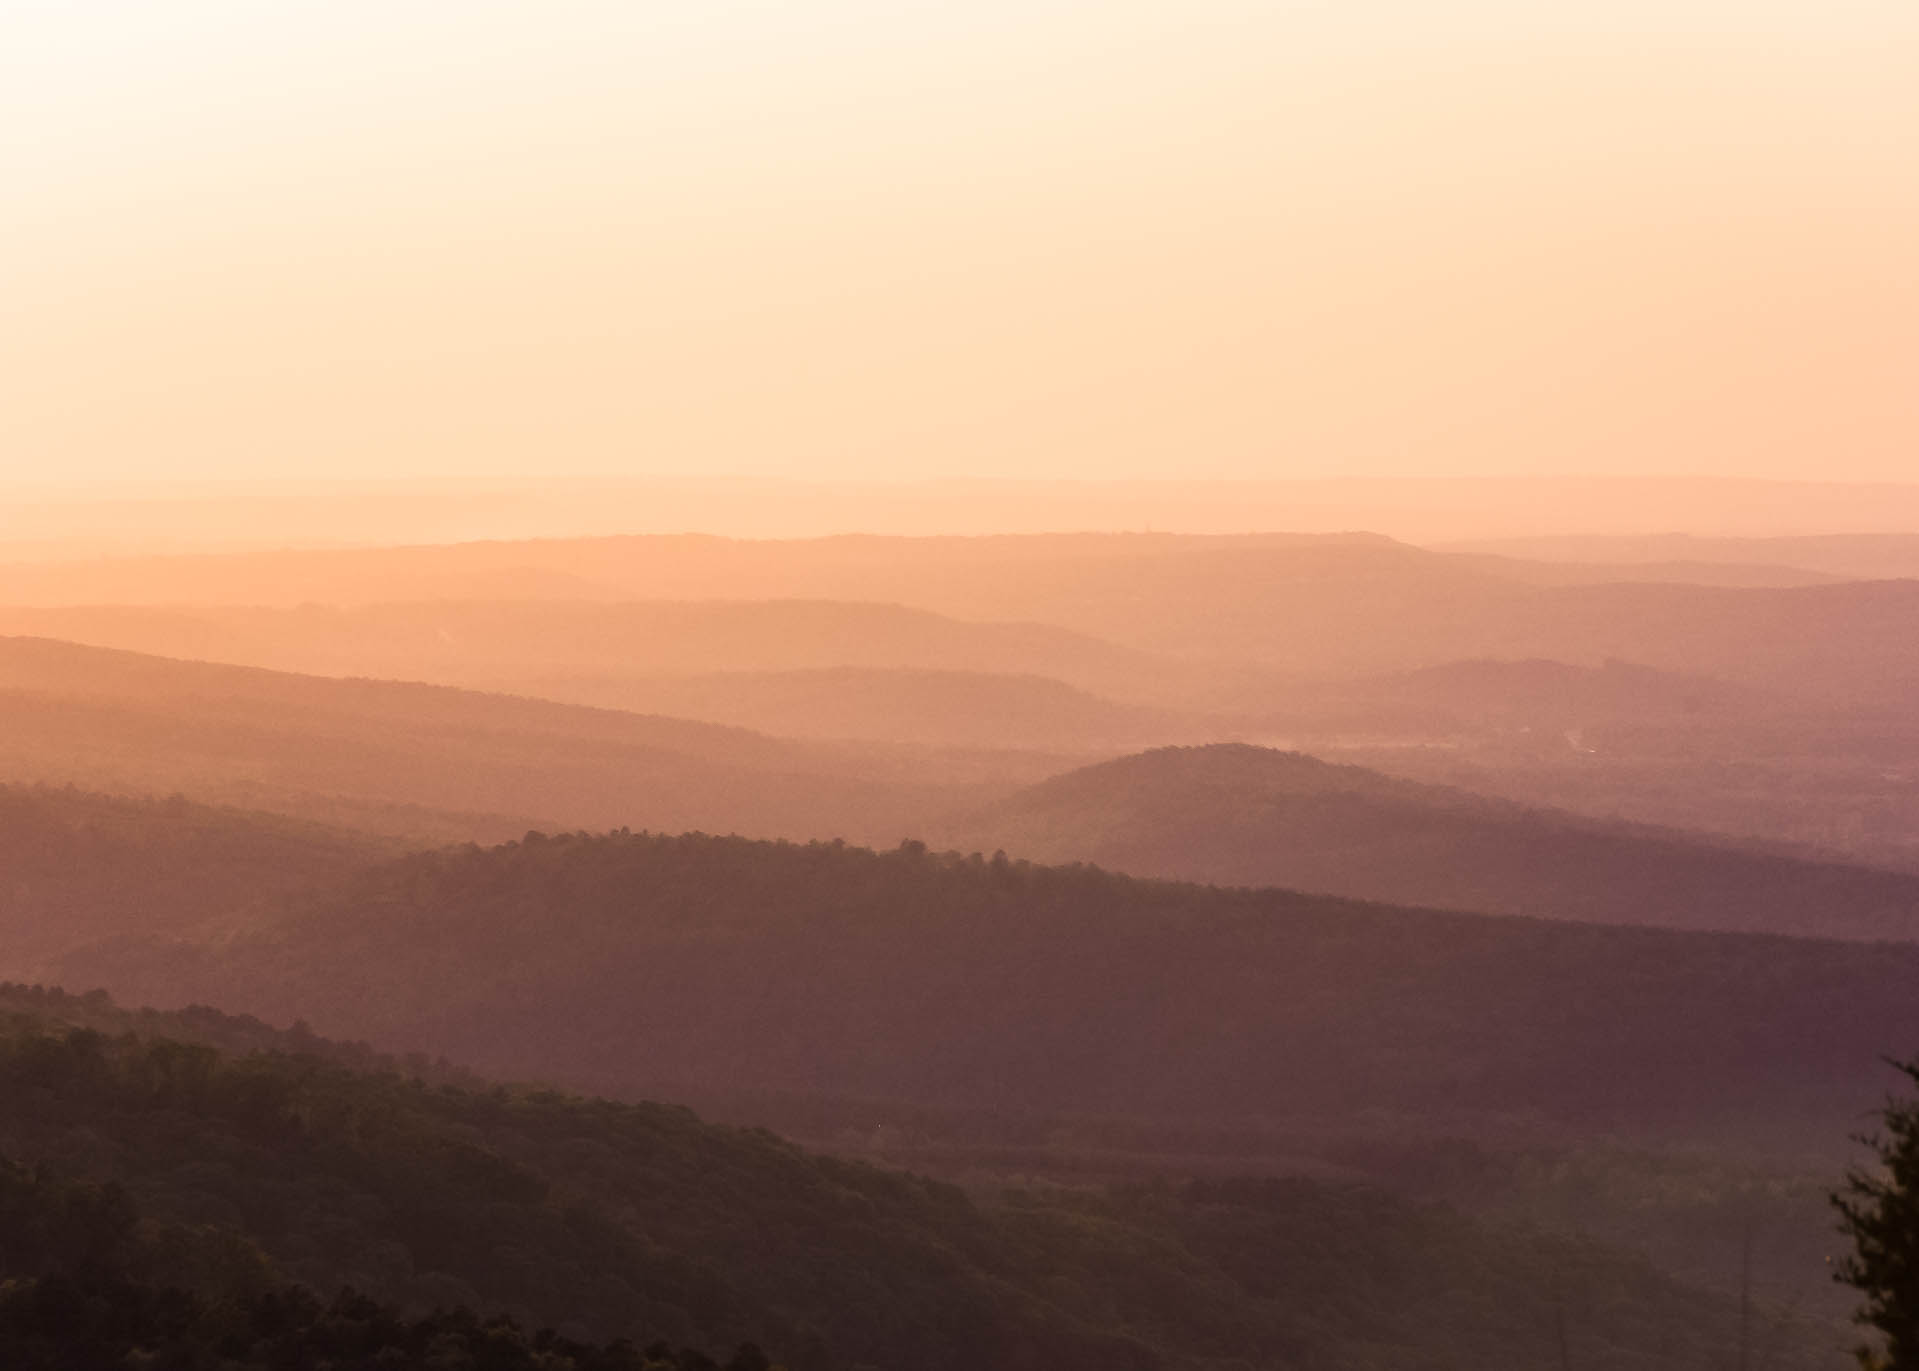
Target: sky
847 239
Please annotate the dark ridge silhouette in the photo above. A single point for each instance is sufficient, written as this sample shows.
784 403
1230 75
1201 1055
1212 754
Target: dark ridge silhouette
90 1283
998 985
1238 815
255 1164
418 759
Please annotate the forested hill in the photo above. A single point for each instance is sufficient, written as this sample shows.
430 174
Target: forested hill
77 866
631 962
1239 815
286 1162
89 1283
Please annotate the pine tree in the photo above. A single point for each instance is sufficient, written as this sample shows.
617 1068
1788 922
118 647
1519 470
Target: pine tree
1879 1211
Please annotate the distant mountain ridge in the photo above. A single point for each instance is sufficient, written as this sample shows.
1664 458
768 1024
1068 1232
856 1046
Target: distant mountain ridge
1853 556
500 643
945 708
1329 605
1239 815
413 639
432 761
1543 690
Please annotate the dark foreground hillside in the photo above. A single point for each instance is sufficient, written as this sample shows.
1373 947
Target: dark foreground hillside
1238 815
696 966
253 1168
89 1284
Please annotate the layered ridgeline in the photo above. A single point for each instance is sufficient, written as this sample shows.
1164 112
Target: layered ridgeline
89 869
1613 700
842 669
1848 556
451 764
1334 605
1774 710
702 966
796 668
1622 740
1248 816
938 705
500 642
262 1158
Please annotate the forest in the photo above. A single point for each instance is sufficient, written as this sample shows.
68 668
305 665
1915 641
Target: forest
603 960
1049 996
228 1173
1022 685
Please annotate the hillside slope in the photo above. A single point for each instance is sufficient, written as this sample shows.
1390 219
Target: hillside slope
77 867
1236 815
487 643
702 966
794 668
639 1220
417 759
973 709
88 1282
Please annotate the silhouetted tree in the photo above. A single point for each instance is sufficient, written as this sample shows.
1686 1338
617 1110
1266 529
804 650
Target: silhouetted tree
1879 1211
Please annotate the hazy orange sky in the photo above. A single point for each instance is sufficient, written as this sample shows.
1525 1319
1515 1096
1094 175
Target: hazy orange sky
846 238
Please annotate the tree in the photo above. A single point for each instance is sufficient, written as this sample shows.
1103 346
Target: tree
1879 1210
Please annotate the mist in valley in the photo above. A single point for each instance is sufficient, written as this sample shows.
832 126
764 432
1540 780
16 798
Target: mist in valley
1003 688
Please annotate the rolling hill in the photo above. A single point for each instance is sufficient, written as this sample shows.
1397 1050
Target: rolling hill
698 966
1247 816
490 643
1619 741
77 867
422 760
258 1157
966 709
